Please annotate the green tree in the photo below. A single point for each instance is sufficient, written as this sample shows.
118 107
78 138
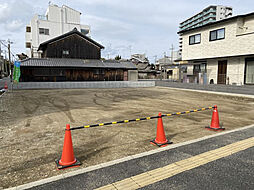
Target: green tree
118 57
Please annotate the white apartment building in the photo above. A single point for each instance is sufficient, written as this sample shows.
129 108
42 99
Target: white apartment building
224 50
56 21
208 15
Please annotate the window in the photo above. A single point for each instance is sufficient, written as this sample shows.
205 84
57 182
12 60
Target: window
221 34
28 29
84 31
44 31
213 35
195 39
65 52
217 34
28 44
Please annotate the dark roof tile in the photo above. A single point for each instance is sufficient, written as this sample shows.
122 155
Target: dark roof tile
79 63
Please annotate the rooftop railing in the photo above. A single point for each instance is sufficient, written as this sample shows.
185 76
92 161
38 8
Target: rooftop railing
42 17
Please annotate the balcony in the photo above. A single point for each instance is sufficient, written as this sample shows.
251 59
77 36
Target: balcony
209 16
210 11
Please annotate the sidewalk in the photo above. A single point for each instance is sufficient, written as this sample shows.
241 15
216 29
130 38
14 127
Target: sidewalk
220 161
246 89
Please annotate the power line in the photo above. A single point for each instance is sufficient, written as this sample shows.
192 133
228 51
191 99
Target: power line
11 52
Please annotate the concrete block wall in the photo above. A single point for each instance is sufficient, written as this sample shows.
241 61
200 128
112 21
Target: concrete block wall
77 85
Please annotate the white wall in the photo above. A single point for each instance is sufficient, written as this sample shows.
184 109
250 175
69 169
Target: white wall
235 70
60 20
132 75
212 70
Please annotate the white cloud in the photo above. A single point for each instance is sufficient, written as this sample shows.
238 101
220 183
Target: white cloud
15 14
148 26
4 12
14 25
108 26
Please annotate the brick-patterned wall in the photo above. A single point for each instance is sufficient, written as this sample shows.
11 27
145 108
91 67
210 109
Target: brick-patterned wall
212 70
234 43
235 70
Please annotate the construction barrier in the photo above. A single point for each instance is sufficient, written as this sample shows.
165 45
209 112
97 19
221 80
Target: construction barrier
160 139
68 159
215 123
141 119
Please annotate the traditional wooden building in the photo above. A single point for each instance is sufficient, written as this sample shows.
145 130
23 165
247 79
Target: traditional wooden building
74 57
55 70
73 44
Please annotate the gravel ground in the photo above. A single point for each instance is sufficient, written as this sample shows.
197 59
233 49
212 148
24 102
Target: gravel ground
33 122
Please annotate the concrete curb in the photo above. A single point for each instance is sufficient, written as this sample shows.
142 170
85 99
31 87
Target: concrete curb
110 163
211 92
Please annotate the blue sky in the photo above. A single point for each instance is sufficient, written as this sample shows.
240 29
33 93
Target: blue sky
122 26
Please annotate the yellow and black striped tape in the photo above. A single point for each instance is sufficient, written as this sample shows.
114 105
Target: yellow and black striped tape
141 119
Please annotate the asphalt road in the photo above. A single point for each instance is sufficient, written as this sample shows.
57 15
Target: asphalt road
231 172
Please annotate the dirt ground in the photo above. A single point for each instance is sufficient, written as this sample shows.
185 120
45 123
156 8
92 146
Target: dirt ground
32 128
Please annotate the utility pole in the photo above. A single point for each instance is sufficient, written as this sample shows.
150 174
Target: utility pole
155 59
1 64
9 52
2 67
5 62
172 49
130 47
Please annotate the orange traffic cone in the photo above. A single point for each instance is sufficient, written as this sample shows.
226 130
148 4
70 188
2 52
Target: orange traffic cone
67 159
160 137
5 86
215 123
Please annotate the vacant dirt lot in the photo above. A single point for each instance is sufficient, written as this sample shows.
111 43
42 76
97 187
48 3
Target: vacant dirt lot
32 129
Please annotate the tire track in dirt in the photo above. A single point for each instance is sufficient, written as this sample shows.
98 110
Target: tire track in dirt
29 111
62 105
96 101
32 163
113 97
109 99
84 153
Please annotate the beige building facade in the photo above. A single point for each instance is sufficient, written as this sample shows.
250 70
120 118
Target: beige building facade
56 21
225 47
